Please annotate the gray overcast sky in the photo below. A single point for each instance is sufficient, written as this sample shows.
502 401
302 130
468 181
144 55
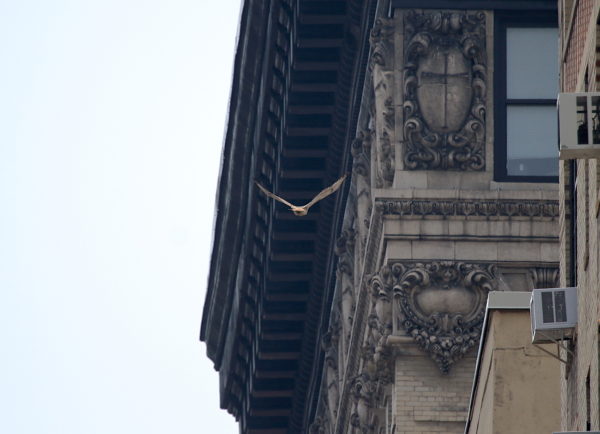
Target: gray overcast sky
111 125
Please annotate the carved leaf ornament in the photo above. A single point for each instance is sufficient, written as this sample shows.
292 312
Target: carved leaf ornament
440 304
444 91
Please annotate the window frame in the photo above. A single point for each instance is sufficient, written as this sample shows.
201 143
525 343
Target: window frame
503 21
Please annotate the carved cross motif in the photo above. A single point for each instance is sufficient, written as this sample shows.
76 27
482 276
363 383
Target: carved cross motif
445 78
444 91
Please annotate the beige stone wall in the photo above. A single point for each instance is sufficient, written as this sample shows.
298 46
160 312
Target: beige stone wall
428 401
518 386
580 399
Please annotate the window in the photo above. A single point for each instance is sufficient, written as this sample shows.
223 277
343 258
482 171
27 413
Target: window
588 402
526 86
572 210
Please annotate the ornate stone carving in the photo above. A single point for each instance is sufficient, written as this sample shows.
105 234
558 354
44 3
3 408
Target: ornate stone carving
377 362
359 323
383 151
465 208
444 90
318 426
363 390
327 406
322 424
345 274
376 354
361 153
380 40
331 378
544 277
348 306
440 304
386 160
388 114
344 249
381 74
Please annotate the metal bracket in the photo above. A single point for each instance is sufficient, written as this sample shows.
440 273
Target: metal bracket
559 344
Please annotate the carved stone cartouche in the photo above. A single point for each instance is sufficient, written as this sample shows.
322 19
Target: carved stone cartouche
444 91
440 304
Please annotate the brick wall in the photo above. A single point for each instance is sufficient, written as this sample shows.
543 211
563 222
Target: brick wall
429 402
580 383
574 34
580 375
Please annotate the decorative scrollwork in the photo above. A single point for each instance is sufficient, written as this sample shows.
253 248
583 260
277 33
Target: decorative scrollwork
442 305
361 153
379 39
445 91
376 353
363 391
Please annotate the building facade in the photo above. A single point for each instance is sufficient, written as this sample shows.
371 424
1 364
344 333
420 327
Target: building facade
579 184
517 384
364 316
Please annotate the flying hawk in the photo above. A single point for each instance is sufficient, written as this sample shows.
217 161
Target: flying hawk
303 210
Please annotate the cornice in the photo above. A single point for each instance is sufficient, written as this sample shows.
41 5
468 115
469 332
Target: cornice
478 4
469 208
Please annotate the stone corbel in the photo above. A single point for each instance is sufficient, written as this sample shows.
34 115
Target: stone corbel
439 304
544 277
443 305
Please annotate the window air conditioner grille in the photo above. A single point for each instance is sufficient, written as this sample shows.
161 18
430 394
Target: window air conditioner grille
579 125
553 314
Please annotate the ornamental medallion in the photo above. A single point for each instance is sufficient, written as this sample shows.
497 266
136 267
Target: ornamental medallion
440 304
444 91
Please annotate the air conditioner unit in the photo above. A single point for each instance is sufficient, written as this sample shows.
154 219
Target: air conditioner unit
579 125
553 314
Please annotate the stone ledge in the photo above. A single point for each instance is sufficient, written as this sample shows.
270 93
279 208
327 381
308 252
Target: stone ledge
474 194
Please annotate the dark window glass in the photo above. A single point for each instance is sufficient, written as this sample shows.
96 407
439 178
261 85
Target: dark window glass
560 306
582 126
547 307
595 120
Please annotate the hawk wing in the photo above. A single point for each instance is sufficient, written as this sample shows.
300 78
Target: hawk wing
274 196
326 192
